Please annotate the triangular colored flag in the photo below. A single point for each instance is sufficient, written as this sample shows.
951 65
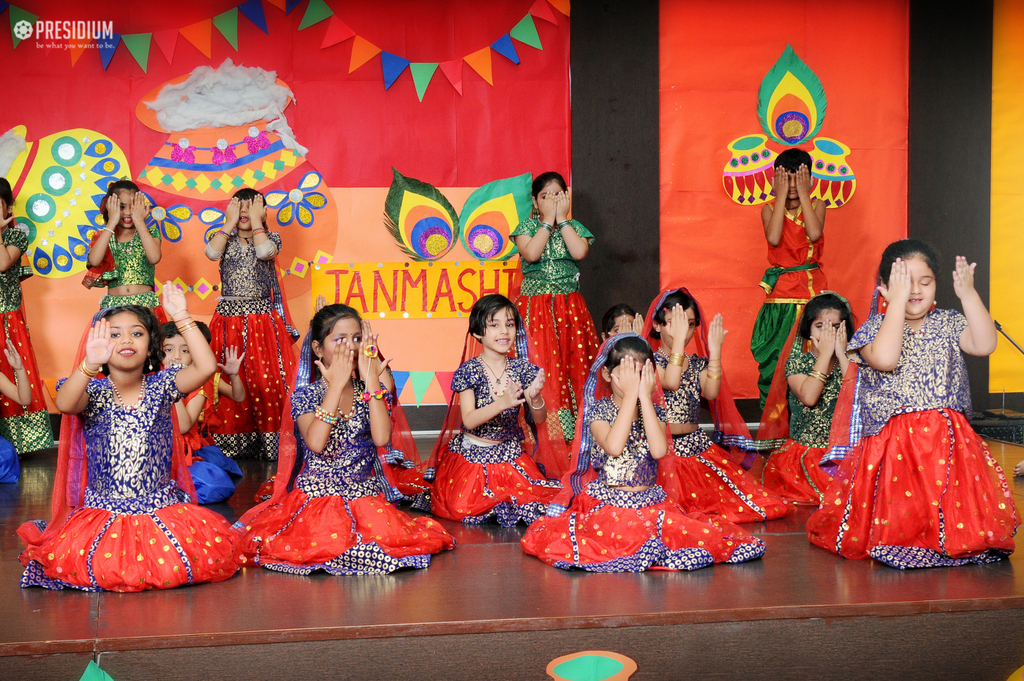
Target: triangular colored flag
166 40
253 11
107 47
421 75
138 45
444 379
94 673
481 63
401 378
77 49
227 24
199 34
289 5
337 32
316 11
18 16
542 10
421 381
393 65
561 5
3 6
453 72
526 32
280 4
362 51
505 48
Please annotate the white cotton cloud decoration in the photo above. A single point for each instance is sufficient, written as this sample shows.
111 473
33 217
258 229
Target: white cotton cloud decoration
11 146
226 96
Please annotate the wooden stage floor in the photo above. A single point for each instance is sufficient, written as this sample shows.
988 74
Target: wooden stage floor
488 611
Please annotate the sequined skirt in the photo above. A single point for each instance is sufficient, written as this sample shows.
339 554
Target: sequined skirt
792 472
924 492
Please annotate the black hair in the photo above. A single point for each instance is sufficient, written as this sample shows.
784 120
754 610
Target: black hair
324 320
819 304
904 249
112 189
170 330
613 313
6 195
671 300
545 178
484 310
155 354
792 159
628 345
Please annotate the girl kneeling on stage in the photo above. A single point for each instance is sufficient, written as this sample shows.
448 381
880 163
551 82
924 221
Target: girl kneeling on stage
623 521
335 516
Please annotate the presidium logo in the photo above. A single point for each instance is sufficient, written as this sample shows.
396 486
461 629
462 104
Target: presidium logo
62 34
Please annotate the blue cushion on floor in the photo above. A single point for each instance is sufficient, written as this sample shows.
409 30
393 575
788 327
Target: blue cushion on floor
213 454
10 469
213 485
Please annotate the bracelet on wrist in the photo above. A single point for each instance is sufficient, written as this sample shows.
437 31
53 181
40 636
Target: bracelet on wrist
715 376
108 229
544 225
676 359
84 368
818 375
564 223
327 417
543 404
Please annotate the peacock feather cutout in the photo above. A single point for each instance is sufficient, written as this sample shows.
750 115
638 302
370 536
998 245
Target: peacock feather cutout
791 102
491 213
420 218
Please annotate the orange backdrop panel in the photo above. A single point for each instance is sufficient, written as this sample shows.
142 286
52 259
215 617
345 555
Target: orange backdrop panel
713 58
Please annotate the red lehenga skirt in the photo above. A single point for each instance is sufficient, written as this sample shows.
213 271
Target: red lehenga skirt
923 492
27 428
475 483
251 428
792 471
701 478
614 530
130 545
564 343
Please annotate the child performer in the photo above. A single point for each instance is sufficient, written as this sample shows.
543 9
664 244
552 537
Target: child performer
563 341
483 471
623 521
213 474
794 226
336 517
620 319
921 489
121 517
252 315
700 475
26 426
18 392
123 255
812 381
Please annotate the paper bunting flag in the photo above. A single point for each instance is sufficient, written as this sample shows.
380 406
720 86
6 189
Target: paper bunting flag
227 24
362 51
107 47
444 379
289 5
280 4
421 381
561 5
452 70
393 65
253 11
480 61
166 41
421 75
401 378
3 6
526 32
337 32
316 11
17 16
200 35
505 48
138 45
94 673
542 10
77 49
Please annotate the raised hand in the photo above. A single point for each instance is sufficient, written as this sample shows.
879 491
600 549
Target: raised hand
627 376
140 209
342 362
5 219
841 341
638 324
11 352
535 386
677 323
648 379
898 288
231 213
232 362
99 346
257 212
825 344
803 182
113 210
546 206
174 299
319 304
512 397
561 206
963 277
716 336
781 183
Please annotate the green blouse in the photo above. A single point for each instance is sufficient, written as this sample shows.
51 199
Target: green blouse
556 271
811 425
133 268
10 280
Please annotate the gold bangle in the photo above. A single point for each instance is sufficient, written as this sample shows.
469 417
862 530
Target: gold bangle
714 377
84 368
818 375
187 327
676 359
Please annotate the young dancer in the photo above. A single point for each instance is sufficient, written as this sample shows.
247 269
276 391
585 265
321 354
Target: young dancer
620 319
18 392
920 489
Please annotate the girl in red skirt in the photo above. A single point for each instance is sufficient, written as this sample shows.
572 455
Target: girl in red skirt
563 341
810 381
251 315
920 489
334 516
622 521
701 476
122 517
25 426
483 471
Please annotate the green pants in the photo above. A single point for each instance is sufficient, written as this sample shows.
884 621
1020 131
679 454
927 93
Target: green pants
771 329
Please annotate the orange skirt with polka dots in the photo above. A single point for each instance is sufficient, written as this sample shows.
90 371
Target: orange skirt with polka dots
792 472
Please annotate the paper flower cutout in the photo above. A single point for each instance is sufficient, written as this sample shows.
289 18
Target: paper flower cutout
299 203
169 220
